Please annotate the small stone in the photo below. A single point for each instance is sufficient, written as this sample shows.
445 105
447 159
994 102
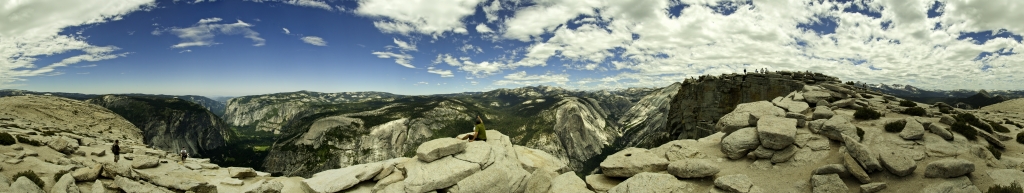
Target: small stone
734 183
784 155
854 169
232 182
898 164
692 168
761 153
872 187
830 169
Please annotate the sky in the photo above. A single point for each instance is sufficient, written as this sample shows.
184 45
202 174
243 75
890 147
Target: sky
416 47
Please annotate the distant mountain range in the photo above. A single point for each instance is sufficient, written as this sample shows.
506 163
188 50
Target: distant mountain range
962 98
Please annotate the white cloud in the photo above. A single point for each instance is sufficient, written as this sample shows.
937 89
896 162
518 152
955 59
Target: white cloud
481 69
482 28
316 41
400 58
286 31
184 51
521 78
304 3
202 33
470 48
443 73
405 46
430 17
88 66
209 20
30 30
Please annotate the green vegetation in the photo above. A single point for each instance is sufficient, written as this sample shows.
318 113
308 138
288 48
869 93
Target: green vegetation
866 114
248 149
849 83
974 121
915 111
31 175
1012 188
945 111
965 130
7 139
995 152
908 103
59 174
26 140
895 126
998 127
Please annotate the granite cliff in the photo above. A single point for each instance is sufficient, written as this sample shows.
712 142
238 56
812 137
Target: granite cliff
170 124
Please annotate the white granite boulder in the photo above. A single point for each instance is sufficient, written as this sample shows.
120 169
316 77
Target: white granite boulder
653 183
838 126
692 168
828 183
569 183
897 164
862 154
426 176
145 161
948 168
242 172
737 144
24 185
632 161
340 179
776 132
734 121
913 130
822 112
435 149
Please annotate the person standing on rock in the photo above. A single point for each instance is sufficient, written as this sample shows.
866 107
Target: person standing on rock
479 132
116 150
184 154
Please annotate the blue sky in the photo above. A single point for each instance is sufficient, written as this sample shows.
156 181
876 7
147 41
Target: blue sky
232 47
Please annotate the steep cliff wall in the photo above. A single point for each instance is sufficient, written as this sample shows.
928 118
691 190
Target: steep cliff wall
170 124
698 104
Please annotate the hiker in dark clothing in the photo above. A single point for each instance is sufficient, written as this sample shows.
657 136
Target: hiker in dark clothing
184 154
479 132
116 150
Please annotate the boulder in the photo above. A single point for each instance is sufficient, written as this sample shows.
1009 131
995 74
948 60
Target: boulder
948 168
241 172
946 119
784 155
1006 177
63 144
500 177
734 183
131 186
680 149
816 95
830 169
426 176
776 132
145 161
65 184
435 149
960 184
815 125
913 130
836 127
854 168
118 169
209 166
844 103
569 183
737 144
87 174
193 166
330 180
387 167
653 183
540 181
601 183
988 137
760 109
532 159
268 187
24 185
761 153
692 168
822 112
897 164
386 181
941 131
824 103
632 161
792 106
801 119
862 154
477 152
97 187
734 121
872 187
828 183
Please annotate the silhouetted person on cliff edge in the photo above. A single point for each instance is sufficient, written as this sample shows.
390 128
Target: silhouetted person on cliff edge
115 150
479 132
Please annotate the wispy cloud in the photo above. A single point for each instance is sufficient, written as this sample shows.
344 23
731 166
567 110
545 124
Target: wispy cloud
400 58
521 78
203 32
304 3
286 31
317 41
443 73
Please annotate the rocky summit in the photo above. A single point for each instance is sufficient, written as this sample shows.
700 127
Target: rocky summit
811 136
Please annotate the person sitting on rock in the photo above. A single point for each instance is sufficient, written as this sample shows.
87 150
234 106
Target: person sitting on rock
479 132
115 150
184 154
